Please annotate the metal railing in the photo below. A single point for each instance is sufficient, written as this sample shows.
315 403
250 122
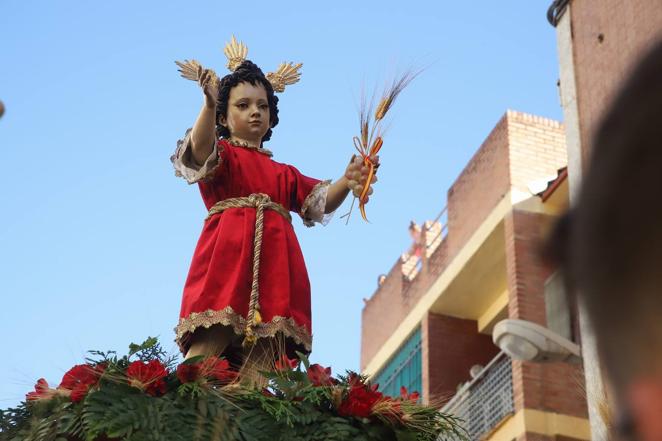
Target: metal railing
486 400
442 222
433 233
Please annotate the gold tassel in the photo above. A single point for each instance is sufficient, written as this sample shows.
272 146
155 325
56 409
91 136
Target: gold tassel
250 338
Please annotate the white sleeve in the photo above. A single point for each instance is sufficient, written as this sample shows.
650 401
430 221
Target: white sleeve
313 207
186 167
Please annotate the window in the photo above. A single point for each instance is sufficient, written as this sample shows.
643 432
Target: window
558 307
403 369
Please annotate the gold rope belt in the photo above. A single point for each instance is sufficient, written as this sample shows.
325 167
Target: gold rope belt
260 202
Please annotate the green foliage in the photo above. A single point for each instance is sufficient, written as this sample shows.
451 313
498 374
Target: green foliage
38 426
12 419
150 349
291 408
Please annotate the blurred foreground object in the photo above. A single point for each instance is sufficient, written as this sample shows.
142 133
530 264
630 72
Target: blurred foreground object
610 246
2 109
598 43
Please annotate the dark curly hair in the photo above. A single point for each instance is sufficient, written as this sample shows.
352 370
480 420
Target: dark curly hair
247 72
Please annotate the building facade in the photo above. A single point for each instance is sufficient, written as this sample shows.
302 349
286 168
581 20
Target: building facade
428 325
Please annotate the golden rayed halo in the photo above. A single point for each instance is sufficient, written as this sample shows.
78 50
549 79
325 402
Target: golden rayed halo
287 73
236 53
191 70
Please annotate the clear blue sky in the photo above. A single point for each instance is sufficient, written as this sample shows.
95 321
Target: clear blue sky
96 233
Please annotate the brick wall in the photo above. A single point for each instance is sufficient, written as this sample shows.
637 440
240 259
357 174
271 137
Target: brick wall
537 149
555 387
479 188
607 39
450 347
392 301
522 148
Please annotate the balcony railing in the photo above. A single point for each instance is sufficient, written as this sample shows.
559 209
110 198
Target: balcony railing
486 400
433 232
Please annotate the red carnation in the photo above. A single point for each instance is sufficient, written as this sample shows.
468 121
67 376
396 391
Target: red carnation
354 379
286 364
360 401
148 376
218 369
41 391
188 373
406 396
319 375
80 378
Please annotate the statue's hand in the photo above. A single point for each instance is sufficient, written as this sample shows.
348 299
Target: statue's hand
206 79
357 175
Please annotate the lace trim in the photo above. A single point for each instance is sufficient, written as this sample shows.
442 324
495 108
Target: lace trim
186 168
228 317
312 209
248 146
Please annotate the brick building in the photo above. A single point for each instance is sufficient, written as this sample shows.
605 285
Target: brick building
428 325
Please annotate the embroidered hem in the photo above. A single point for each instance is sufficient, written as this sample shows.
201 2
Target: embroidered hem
228 317
312 209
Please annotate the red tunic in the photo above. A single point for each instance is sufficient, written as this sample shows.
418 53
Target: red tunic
218 285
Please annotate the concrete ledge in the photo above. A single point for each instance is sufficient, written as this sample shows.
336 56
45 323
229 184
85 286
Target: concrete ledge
543 423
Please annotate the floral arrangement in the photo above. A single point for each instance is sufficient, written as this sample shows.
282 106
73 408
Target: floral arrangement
145 395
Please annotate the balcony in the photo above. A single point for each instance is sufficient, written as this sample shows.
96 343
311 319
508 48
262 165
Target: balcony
485 401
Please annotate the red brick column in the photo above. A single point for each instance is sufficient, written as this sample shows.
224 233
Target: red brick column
450 346
553 387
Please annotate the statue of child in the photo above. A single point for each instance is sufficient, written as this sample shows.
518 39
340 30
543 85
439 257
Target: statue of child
247 285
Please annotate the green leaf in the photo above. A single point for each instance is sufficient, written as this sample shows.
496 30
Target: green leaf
298 377
193 360
202 407
304 359
405 435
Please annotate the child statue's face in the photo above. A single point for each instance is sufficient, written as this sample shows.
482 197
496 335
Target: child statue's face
248 116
